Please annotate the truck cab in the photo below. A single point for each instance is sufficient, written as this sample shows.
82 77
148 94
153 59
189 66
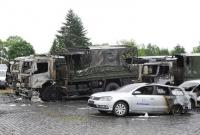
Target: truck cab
157 72
38 72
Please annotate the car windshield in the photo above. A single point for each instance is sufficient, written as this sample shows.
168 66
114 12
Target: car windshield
129 88
188 86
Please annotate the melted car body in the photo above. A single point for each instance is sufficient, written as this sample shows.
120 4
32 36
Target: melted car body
192 87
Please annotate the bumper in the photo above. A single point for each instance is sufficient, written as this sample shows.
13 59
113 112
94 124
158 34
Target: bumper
101 105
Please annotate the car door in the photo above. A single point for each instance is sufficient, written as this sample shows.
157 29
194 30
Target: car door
161 99
143 99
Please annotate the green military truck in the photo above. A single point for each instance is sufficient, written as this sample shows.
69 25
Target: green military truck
171 70
187 68
78 72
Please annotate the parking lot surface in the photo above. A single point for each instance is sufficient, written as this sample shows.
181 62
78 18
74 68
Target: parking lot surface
73 117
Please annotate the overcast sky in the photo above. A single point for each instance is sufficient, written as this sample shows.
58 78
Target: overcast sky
162 22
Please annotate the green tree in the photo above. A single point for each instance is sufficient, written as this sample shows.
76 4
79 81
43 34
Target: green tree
128 43
72 33
131 44
178 49
141 50
56 47
196 49
18 47
3 51
164 52
152 50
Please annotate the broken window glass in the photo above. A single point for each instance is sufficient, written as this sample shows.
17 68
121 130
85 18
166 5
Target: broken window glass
26 67
41 68
164 70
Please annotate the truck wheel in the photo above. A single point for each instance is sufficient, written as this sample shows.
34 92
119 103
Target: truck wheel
111 86
51 93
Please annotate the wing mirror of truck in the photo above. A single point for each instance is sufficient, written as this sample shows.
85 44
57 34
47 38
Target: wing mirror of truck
136 93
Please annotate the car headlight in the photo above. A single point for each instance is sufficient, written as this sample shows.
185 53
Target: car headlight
106 98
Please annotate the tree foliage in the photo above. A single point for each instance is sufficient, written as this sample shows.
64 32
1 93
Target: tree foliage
196 49
178 49
71 34
152 50
142 50
3 51
56 47
18 47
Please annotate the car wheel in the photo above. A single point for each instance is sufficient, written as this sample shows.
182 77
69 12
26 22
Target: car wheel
120 109
103 112
111 86
176 109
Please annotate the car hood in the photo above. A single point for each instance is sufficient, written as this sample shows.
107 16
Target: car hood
109 93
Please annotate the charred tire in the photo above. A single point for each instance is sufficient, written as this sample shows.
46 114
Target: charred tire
111 86
103 112
120 109
51 93
176 110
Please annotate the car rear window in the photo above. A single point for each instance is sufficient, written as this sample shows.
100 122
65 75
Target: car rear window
163 90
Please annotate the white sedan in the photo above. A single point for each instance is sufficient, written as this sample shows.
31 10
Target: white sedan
141 98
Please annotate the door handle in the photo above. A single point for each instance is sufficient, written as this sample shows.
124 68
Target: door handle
151 98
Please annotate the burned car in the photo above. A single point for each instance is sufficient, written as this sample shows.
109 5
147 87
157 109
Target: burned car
192 87
142 98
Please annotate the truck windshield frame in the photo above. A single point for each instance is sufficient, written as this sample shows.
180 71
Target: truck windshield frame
150 70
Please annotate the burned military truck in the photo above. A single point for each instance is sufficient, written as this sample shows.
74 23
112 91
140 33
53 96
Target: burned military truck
187 68
172 70
79 72
159 70
36 73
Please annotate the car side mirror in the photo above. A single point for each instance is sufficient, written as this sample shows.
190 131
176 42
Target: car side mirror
136 93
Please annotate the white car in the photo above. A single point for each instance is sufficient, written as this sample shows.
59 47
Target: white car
141 98
192 87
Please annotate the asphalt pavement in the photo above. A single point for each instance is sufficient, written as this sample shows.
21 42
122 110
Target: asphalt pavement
20 116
